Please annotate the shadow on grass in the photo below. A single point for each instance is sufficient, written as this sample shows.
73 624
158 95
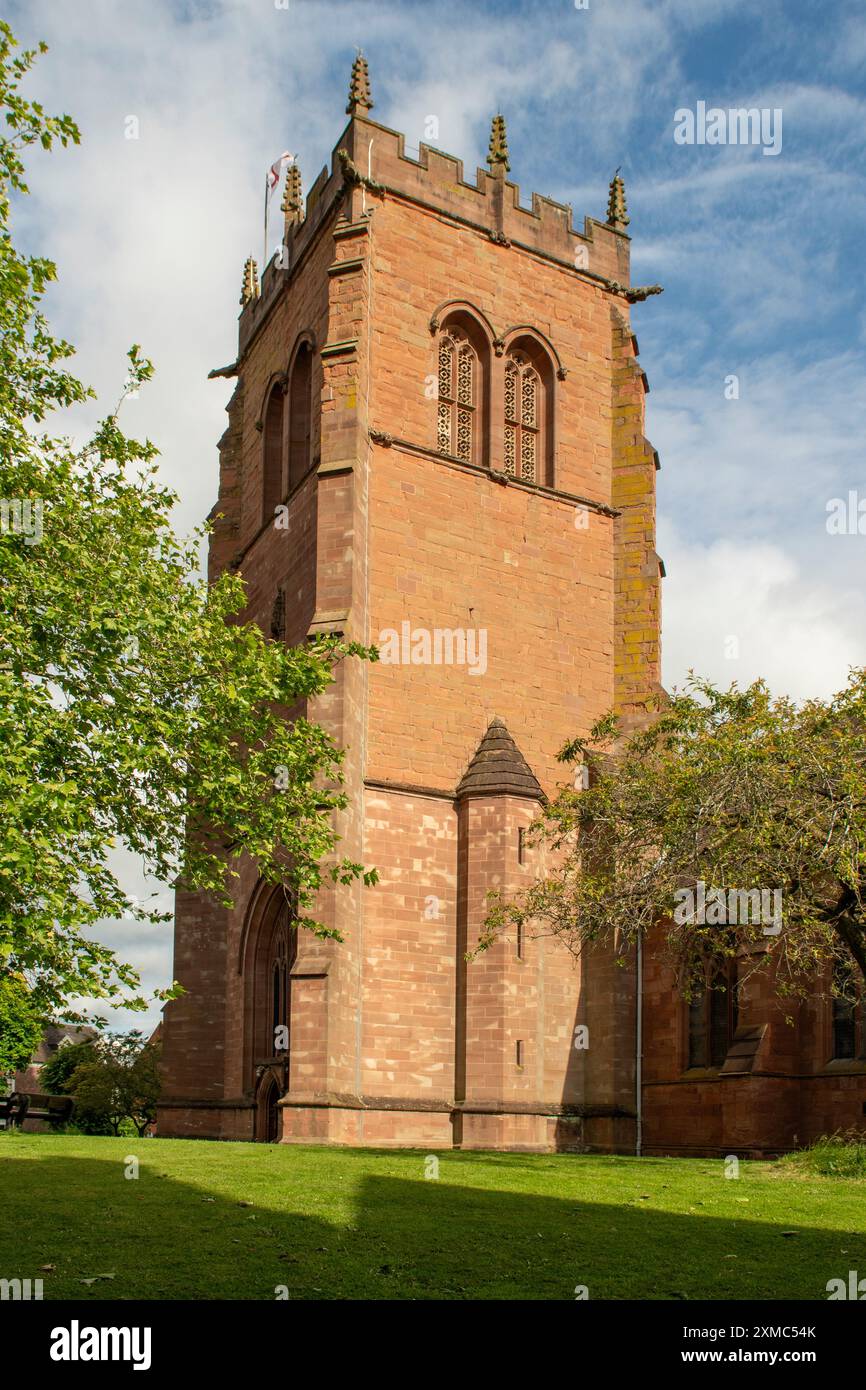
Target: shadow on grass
378 1236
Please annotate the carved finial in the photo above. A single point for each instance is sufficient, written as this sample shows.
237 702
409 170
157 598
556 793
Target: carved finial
497 153
359 88
293 198
250 286
617 216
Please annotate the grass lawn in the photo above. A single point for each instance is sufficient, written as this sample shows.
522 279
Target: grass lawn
213 1221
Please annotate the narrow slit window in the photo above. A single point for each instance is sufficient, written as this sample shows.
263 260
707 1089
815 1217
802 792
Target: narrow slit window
300 416
276 1019
272 455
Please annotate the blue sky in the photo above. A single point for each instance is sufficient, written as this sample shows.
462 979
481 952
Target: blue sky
761 257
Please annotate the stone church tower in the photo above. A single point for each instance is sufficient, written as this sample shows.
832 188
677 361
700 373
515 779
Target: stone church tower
441 385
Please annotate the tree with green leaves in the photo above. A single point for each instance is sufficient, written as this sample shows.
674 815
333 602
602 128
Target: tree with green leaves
137 708
21 1025
732 820
56 1074
119 1081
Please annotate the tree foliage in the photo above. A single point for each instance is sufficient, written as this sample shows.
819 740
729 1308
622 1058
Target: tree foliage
735 790
21 1025
120 1081
57 1072
137 708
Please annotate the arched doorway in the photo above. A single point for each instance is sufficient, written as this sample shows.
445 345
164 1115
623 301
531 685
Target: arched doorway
268 1127
267 955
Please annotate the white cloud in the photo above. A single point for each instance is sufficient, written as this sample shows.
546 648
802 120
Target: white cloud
737 611
753 477
769 461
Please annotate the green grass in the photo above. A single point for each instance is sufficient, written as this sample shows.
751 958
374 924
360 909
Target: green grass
228 1221
840 1155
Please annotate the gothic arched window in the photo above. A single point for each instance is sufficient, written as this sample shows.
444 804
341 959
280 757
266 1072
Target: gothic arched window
528 415
713 1015
272 454
848 1016
300 415
458 414
523 392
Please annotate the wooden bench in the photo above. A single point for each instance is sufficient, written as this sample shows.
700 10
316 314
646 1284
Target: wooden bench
53 1111
13 1108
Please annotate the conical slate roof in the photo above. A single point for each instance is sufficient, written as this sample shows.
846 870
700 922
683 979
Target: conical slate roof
499 768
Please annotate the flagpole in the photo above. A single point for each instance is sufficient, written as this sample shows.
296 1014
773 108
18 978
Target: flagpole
265 247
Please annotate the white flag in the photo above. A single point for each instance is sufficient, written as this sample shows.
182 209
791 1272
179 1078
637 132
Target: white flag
277 168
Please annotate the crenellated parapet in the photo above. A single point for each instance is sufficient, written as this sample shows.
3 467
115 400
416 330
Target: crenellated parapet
370 163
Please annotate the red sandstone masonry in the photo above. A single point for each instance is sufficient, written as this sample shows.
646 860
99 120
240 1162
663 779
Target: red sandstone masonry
395 1040
794 1093
383 531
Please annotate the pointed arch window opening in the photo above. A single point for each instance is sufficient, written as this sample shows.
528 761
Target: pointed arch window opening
271 956
522 416
457 410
